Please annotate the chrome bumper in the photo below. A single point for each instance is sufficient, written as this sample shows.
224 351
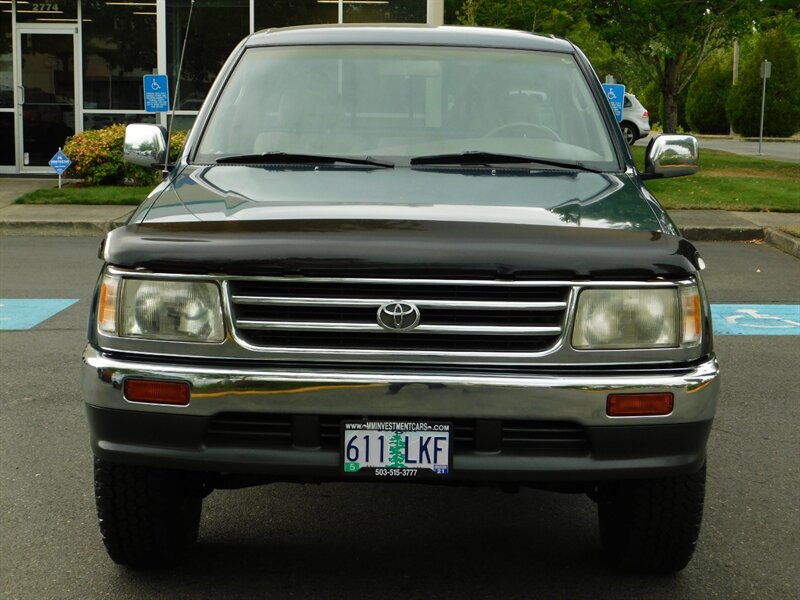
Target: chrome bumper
313 390
617 448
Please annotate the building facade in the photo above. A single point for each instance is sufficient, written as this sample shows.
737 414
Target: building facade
71 65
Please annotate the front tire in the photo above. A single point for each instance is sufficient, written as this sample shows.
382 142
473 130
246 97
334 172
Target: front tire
652 525
629 132
148 517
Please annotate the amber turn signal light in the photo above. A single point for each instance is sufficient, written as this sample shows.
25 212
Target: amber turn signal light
157 392
639 405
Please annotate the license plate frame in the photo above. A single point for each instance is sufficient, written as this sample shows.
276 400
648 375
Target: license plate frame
370 449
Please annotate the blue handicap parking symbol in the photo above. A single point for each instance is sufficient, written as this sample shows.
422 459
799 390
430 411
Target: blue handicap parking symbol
26 313
156 93
615 93
756 319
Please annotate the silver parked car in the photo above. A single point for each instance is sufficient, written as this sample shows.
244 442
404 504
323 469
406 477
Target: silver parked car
635 123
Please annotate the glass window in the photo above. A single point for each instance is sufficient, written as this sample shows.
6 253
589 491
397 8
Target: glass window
6 60
390 11
216 27
403 102
6 138
99 121
48 77
55 11
183 122
286 13
119 47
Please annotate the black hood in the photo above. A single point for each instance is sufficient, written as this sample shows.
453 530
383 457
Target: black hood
427 223
518 196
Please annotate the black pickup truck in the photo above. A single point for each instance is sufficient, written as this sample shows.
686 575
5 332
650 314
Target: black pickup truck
407 254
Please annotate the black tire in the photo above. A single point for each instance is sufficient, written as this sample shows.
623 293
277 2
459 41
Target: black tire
630 132
148 517
652 525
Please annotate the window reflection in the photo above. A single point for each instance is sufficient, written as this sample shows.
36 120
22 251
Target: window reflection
286 13
386 11
104 120
217 26
119 47
6 68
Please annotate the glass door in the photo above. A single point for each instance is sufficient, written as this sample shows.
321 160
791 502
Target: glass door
46 96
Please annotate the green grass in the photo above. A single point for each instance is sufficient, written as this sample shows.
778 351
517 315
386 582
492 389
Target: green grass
84 194
730 182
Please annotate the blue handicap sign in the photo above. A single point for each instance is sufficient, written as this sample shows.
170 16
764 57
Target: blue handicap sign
156 93
25 313
756 319
60 162
615 93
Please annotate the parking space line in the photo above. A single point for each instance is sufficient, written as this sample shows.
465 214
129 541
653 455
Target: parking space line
26 313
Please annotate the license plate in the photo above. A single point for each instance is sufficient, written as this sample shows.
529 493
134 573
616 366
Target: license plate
402 449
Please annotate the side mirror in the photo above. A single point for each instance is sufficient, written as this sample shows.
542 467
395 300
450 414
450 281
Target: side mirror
671 156
145 145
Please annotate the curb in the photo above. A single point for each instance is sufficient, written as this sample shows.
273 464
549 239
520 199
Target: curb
58 229
782 241
774 237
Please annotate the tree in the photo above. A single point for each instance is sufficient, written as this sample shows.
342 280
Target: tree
397 451
708 93
670 40
557 17
782 109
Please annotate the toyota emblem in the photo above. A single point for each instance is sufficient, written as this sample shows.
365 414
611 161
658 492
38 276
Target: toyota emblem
398 316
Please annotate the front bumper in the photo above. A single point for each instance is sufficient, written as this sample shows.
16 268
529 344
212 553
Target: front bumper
178 437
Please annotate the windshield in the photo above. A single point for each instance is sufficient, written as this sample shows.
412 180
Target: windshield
401 102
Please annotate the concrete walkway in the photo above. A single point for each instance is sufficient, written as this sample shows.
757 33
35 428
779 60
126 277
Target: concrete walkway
12 188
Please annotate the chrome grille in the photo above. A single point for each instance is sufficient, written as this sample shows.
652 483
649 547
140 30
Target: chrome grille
459 316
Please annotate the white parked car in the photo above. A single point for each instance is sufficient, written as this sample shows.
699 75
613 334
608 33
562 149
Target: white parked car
635 123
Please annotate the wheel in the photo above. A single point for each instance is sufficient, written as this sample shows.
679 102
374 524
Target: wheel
629 132
522 129
652 525
148 517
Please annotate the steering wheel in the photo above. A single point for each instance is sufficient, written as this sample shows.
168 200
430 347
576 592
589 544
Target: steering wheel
537 131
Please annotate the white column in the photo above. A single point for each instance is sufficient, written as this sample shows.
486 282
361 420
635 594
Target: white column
435 12
161 45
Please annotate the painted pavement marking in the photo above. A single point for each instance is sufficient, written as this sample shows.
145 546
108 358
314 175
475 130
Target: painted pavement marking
756 319
26 313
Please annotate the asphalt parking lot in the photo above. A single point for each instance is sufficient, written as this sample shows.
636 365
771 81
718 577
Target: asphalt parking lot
395 541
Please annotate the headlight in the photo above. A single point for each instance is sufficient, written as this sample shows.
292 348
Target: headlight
618 319
188 311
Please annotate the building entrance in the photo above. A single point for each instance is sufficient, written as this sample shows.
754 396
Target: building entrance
46 113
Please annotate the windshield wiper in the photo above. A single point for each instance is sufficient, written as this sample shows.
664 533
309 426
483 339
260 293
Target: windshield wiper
476 157
287 158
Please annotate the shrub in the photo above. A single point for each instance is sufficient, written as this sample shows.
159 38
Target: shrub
708 94
96 156
782 109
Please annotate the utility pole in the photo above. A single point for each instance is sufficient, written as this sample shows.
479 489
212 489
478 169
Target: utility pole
766 71
735 67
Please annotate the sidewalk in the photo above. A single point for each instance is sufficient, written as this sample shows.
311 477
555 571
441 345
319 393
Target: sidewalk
71 220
